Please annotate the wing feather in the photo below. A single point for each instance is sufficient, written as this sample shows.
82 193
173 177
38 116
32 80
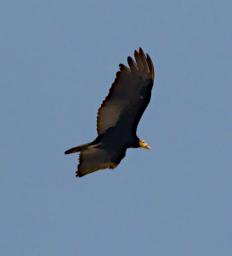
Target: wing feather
151 67
139 61
124 68
132 65
144 60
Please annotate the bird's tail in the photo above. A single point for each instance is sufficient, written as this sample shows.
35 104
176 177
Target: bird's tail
77 149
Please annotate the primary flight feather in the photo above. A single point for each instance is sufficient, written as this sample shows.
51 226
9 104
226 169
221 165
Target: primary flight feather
118 117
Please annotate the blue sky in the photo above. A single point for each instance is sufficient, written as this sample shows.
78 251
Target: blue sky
58 60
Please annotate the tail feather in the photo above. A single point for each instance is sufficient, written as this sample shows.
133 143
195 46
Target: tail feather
77 149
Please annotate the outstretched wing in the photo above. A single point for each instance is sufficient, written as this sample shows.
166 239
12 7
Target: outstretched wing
95 158
129 95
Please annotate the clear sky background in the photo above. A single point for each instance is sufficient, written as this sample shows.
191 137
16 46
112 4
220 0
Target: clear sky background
57 62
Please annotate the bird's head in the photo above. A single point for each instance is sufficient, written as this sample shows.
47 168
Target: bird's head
144 144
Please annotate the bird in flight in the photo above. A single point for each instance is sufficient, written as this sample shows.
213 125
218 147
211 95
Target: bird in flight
118 117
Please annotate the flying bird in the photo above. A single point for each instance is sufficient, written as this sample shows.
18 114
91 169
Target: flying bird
118 117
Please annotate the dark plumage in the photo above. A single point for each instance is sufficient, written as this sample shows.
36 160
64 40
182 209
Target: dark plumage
118 117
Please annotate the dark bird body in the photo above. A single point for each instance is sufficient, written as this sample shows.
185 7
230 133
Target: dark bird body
118 117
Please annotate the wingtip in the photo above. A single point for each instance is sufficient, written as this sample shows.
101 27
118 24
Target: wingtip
136 52
123 67
141 51
129 59
77 174
132 64
151 66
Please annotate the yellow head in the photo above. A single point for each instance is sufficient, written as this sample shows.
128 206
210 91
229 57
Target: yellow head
144 144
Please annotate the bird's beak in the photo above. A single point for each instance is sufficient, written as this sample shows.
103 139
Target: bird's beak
144 144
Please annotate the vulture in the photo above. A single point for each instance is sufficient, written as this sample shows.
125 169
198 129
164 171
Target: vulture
118 117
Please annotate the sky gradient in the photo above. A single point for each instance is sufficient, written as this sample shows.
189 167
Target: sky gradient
58 61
